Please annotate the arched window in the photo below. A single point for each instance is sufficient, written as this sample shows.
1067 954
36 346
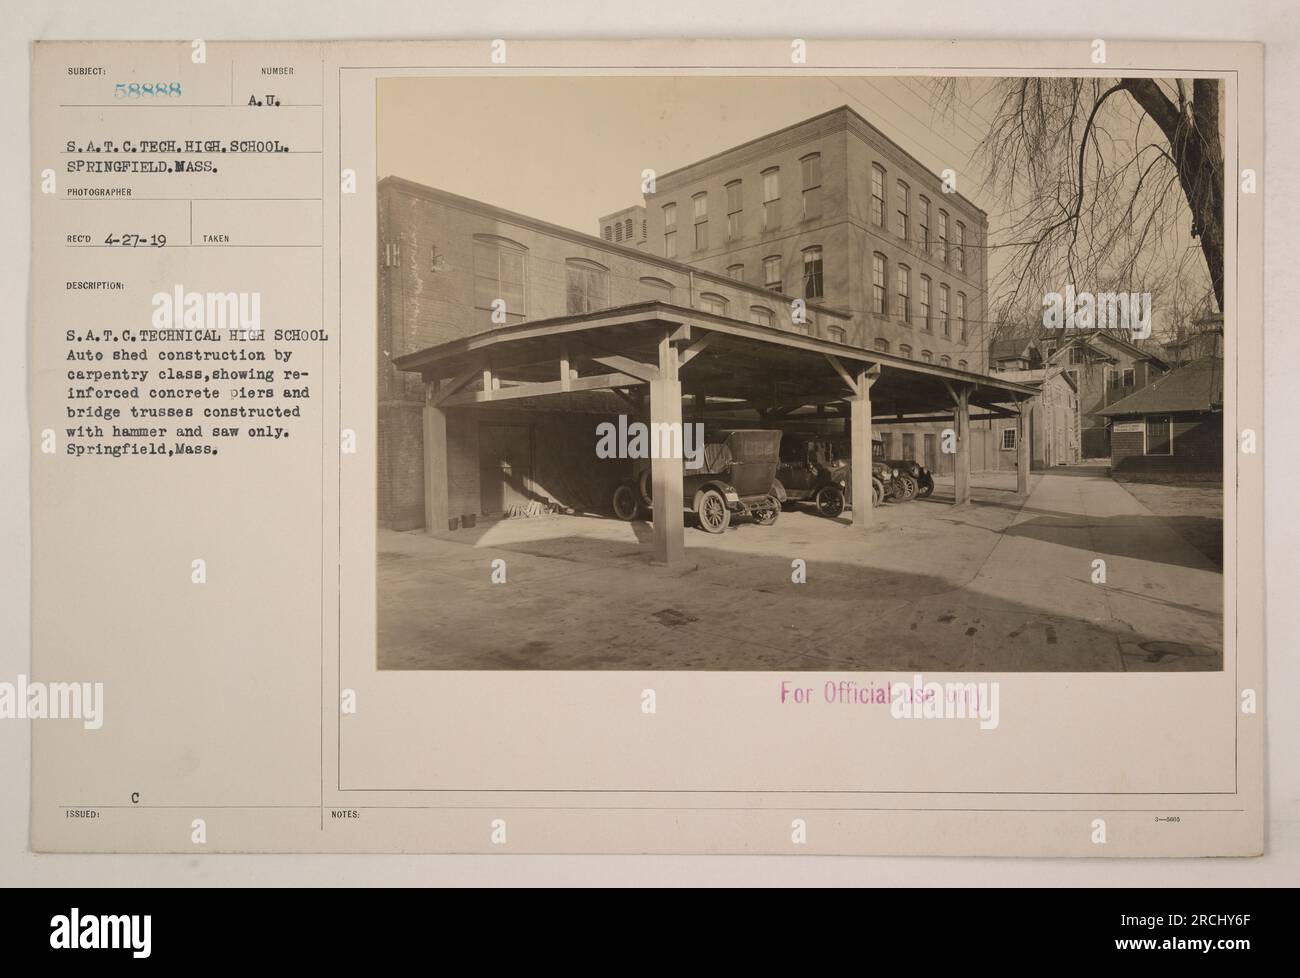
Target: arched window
945 361
877 195
771 198
927 356
882 345
836 334
878 301
587 285
500 280
761 316
812 273
905 293
657 288
811 170
905 351
714 303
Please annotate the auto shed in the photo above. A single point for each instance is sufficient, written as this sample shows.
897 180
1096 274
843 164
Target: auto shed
653 355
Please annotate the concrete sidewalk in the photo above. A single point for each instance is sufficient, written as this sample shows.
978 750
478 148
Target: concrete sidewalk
995 586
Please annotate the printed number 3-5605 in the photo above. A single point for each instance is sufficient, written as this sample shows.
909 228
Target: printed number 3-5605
146 90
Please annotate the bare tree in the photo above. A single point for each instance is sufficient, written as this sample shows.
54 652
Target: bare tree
1102 178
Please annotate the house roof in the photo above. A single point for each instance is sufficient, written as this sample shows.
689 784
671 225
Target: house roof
1147 349
1010 347
1198 386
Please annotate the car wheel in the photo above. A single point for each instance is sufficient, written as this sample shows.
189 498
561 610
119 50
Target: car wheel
712 511
907 488
643 488
927 487
766 512
830 501
877 492
626 506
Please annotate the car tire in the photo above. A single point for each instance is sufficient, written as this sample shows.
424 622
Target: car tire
927 487
768 512
908 487
712 512
830 501
625 503
643 489
877 493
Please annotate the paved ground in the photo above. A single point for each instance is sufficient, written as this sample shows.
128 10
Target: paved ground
1194 511
996 586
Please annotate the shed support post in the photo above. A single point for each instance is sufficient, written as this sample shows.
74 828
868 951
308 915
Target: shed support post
860 449
1024 447
961 475
666 473
435 463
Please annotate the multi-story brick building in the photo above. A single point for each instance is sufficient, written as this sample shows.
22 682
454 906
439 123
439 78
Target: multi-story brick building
833 211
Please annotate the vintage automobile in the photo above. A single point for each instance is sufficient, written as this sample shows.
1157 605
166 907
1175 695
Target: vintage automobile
899 482
917 472
818 469
737 479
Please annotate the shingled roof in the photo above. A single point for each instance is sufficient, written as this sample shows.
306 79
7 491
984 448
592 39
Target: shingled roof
1198 386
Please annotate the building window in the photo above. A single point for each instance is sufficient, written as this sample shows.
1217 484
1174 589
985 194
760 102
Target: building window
811 167
925 303
877 195
700 211
761 316
1160 435
772 198
657 288
670 230
961 316
812 273
904 284
772 273
905 351
924 228
944 321
716 304
500 273
1077 355
1008 439
927 356
836 334
737 272
902 216
587 285
943 236
962 365
607 232
735 208
878 284
882 345
945 361
1128 377
959 255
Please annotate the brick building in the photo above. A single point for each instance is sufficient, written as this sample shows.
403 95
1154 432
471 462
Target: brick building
825 228
831 210
452 267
